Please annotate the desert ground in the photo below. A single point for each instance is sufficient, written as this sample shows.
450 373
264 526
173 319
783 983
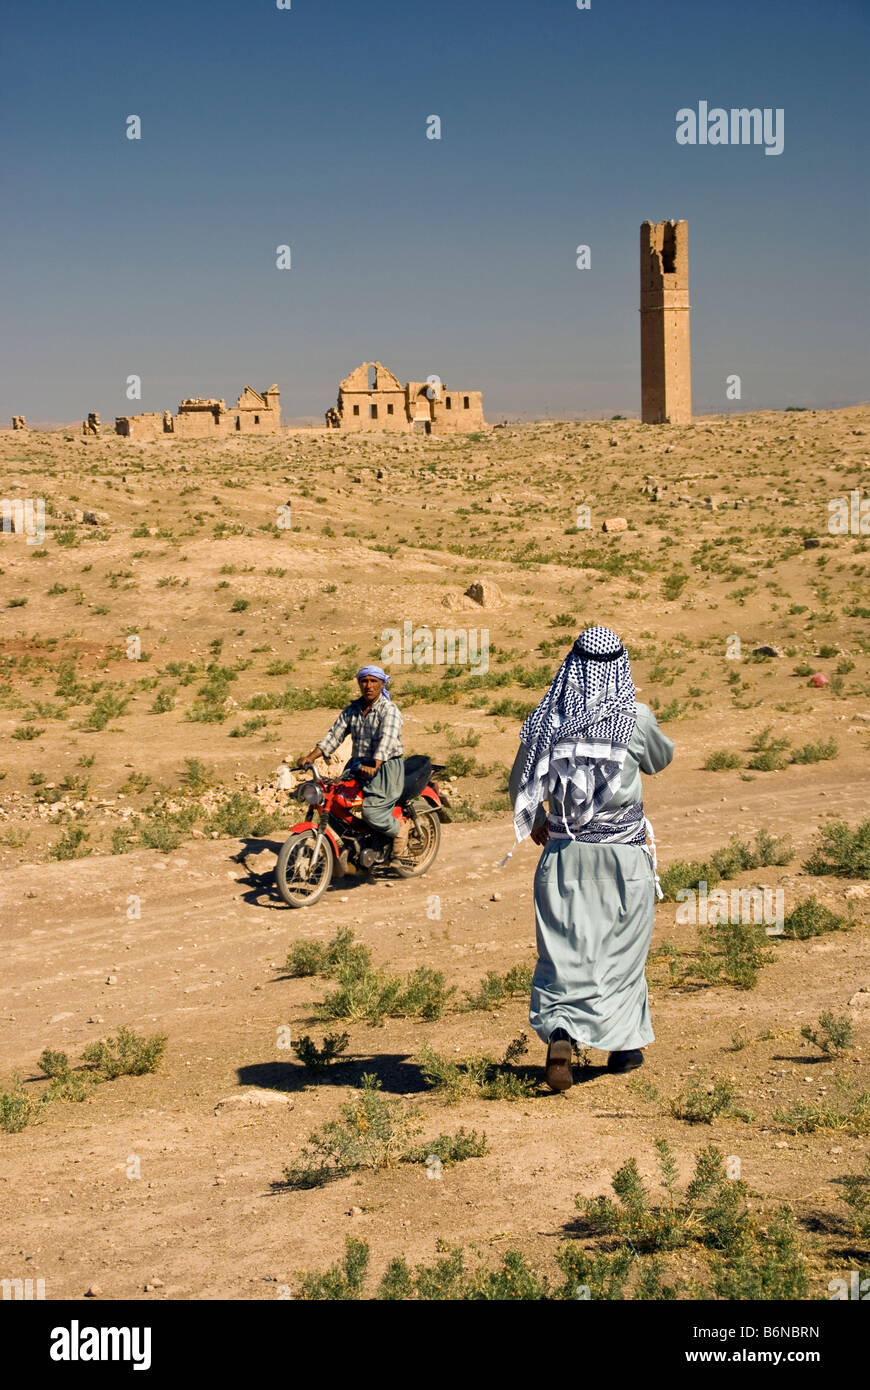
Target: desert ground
139 826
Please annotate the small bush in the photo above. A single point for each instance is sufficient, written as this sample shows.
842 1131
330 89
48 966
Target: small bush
373 1132
242 817
721 760
195 777
850 1113
841 851
816 752
107 707
481 1077
319 1058
376 994
127 1055
342 953
449 1148
71 845
811 918
494 989
54 1063
856 1195
770 753
17 1108
701 1101
343 1282
767 1265
833 1035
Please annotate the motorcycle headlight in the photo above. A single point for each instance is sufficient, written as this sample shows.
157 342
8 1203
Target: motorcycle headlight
310 793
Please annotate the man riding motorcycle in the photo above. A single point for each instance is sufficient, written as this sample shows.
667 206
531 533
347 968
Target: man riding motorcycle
375 725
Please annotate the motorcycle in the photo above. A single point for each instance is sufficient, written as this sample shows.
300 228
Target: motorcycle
335 836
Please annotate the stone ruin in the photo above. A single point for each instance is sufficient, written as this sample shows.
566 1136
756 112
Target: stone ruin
19 422
92 424
372 398
201 417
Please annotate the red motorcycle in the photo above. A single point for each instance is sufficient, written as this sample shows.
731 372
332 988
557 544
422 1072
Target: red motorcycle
335 836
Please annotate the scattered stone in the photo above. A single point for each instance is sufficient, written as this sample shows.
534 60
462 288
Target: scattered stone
253 1100
860 1000
93 1291
811 542
495 897
614 523
355 1211
96 1018
484 592
111 979
857 890
766 651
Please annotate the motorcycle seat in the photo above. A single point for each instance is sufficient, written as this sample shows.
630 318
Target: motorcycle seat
418 770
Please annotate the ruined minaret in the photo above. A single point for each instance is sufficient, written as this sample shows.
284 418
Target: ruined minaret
665 359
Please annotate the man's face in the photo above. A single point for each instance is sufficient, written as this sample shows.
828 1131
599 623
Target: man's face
370 688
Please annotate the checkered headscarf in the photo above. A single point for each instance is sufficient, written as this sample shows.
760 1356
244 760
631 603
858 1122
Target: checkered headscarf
578 736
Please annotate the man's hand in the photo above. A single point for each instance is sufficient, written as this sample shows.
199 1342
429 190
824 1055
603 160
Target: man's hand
311 757
541 835
367 769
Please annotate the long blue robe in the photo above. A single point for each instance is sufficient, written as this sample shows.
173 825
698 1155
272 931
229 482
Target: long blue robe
594 907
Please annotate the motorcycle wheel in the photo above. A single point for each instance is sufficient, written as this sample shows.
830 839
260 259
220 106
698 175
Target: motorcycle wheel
424 842
294 864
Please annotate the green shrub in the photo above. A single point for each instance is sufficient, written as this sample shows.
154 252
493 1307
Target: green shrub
494 989
767 1265
108 706
842 851
850 1113
342 953
126 1055
856 1195
816 752
71 845
374 995
811 918
373 1132
17 1108
319 1058
343 1282
242 817
732 953
449 1148
481 1077
770 753
833 1035
700 1101
54 1063
721 761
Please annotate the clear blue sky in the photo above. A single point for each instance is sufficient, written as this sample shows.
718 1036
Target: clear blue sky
307 126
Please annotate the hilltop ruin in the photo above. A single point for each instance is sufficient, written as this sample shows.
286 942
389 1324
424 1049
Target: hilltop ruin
372 398
199 417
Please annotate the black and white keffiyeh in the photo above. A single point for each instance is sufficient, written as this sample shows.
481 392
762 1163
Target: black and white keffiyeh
578 736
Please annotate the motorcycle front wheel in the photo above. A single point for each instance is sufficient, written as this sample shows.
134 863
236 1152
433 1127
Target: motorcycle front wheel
299 878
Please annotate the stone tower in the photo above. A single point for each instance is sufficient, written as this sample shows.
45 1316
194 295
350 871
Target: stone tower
665 359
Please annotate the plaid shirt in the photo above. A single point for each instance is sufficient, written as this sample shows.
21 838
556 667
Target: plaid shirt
376 736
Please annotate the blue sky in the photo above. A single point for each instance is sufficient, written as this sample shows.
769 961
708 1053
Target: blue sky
307 127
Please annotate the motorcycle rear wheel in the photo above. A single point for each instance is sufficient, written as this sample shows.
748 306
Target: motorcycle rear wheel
424 842
293 886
